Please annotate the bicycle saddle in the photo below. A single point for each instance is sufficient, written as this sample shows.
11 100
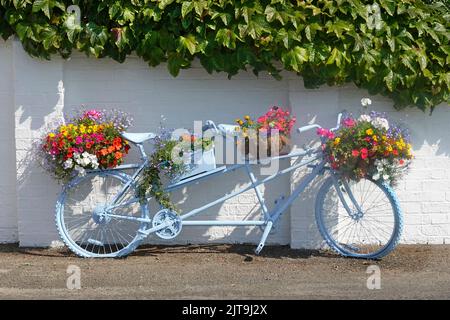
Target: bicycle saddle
138 137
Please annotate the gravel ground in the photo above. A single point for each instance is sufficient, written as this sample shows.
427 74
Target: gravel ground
224 272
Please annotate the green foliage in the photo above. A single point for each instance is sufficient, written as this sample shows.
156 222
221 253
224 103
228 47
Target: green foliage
398 49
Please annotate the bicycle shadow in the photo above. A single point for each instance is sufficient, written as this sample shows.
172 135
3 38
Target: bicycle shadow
244 250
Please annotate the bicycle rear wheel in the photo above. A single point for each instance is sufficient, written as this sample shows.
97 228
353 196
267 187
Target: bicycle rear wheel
83 225
359 219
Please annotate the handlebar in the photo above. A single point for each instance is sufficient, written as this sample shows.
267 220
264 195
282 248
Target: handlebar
313 126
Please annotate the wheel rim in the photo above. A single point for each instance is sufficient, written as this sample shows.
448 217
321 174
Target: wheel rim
84 224
367 232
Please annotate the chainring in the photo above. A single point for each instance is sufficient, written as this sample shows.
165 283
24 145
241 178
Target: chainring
174 227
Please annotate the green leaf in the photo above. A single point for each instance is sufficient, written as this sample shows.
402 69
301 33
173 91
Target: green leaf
227 38
271 14
47 6
389 6
335 57
114 10
389 80
295 58
97 35
72 27
162 4
189 43
42 5
422 59
23 31
174 64
186 8
200 6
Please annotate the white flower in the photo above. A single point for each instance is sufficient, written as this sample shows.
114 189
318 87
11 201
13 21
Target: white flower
68 164
385 177
364 117
366 102
81 170
376 176
380 123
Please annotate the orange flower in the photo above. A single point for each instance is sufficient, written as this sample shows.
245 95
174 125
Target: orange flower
104 152
118 155
111 149
88 145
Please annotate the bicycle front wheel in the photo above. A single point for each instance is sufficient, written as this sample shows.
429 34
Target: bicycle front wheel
358 219
87 228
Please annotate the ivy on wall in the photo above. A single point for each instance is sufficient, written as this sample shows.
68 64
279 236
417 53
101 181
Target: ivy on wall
395 48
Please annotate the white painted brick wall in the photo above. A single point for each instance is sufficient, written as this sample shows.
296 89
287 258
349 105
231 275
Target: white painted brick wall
8 211
28 88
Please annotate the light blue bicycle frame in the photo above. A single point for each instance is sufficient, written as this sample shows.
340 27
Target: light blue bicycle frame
270 218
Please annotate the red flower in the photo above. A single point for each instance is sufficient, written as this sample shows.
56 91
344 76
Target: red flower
355 153
364 153
69 155
401 162
88 145
395 152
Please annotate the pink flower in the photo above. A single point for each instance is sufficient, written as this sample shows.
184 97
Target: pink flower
355 153
78 140
364 153
92 114
325 133
349 122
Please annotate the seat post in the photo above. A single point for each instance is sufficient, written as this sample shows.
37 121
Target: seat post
142 151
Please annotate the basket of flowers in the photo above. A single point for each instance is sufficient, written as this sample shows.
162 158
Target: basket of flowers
197 154
368 146
269 135
87 141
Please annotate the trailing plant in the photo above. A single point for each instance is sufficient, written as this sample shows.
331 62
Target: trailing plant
398 49
170 159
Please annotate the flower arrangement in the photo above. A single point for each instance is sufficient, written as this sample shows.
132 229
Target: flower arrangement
170 160
368 146
260 132
87 141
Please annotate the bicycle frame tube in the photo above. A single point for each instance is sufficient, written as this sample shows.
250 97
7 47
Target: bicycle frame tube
254 184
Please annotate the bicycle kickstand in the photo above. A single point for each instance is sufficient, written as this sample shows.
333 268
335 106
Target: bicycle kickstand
264 237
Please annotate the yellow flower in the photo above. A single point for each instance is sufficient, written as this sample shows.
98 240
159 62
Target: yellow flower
250 122
241 122
238 120
384 138
82 129
62 128
337 141
65 133
95 128
51 135
369 132
247 118
375 138
389 148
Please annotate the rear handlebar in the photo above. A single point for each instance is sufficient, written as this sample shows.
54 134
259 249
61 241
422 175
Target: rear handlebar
313 126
